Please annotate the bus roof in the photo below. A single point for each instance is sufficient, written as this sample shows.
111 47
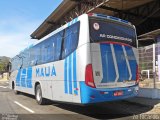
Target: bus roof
110 18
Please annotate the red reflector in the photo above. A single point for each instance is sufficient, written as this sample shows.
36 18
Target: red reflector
89 76
118 93
92 96
103 92
76 89
137 74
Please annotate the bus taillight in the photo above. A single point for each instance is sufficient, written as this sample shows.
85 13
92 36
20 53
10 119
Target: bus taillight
137 74
89 76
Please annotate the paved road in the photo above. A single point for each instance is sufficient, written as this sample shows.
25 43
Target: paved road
25 107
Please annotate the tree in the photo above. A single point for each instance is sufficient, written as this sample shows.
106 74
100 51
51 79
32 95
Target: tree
4 62
2 67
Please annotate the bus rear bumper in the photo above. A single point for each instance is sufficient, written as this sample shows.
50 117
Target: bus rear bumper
95 95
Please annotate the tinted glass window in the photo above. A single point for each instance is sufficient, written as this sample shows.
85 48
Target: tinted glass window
37 54
24 57
105 30
16 63
71 39
32 56
47 51
50 49
57 45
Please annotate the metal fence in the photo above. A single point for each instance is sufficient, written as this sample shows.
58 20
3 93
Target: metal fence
148 66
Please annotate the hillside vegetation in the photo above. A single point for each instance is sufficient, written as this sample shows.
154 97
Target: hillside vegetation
4 64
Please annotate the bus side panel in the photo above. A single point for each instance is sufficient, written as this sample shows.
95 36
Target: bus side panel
83 58
42 75
83 52
56 79
22 79
13 78
68 88
60 80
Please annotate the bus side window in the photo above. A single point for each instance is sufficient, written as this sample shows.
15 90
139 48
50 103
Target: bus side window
36 52
50 49
31 55
38 55
46 53
71 39
25 59
42 53
58 38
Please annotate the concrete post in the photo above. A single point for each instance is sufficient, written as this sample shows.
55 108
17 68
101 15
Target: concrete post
154 69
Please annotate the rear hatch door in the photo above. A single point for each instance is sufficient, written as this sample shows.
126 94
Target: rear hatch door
114 65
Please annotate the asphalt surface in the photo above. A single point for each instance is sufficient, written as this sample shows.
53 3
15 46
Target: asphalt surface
24 107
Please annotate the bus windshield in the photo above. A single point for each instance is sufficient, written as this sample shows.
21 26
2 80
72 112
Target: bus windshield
111 31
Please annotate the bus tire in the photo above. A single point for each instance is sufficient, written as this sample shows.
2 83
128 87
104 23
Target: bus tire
38 95
16 92
13 87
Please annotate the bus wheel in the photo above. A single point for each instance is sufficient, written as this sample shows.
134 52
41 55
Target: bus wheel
16 92
13 87
40 100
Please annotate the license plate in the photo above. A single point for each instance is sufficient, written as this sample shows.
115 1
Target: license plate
118 93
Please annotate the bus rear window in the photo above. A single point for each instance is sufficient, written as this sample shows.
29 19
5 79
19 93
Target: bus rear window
110 31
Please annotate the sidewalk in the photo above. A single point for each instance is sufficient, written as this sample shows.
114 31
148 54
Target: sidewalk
3 80
145 101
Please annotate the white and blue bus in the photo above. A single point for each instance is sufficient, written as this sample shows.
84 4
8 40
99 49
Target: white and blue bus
93 58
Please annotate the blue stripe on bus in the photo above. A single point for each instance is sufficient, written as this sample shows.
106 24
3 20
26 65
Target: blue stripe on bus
109 74
75 20
65 76
132 62
23 78
72 22
29 77
121 62
70 75
18 78
75 73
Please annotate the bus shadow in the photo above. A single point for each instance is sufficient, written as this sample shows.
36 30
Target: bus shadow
106 110
109 110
